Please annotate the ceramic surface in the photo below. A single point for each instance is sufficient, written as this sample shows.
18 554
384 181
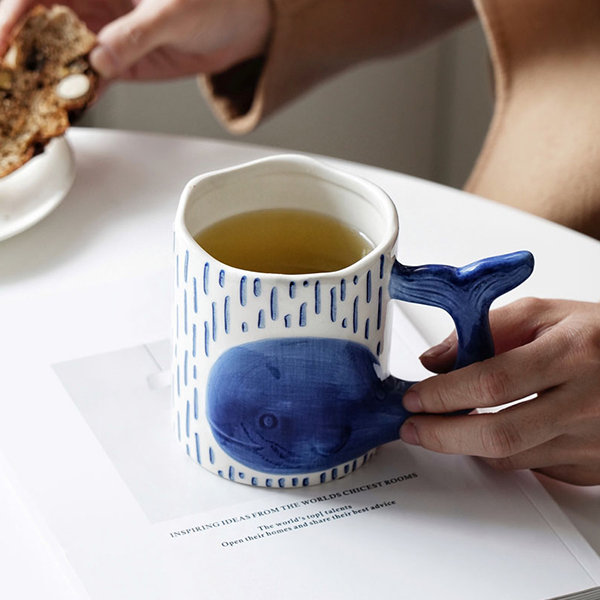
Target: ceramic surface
278 379
34 190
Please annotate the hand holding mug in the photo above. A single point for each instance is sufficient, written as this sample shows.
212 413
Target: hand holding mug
546 348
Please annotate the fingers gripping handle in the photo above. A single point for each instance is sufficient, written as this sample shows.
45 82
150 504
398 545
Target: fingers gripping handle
466 293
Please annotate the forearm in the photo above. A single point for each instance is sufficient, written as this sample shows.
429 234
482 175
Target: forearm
315 39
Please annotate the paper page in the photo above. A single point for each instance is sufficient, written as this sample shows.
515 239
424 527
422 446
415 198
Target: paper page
23 546
87 429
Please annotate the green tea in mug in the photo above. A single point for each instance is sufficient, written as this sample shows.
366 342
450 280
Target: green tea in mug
284 240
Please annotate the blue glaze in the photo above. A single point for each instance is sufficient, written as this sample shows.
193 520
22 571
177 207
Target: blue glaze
317 297
214 321
205 278
195 281
243 291
185 312
466 293
302 316
332 305
187 419
269 407
226 318
274 304
185 368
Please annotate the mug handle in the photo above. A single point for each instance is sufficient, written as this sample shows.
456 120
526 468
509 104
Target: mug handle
466 293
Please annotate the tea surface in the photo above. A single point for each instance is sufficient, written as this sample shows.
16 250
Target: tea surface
287 241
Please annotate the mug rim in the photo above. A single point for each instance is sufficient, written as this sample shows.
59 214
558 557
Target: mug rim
308 165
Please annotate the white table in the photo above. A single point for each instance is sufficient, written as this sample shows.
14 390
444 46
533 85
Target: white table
118 215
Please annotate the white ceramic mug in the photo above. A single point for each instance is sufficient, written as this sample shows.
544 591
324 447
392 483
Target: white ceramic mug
276 377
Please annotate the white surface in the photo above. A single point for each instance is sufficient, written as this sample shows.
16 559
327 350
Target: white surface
118 216
34 190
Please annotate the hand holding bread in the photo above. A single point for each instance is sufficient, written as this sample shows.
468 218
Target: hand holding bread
128 39
159 39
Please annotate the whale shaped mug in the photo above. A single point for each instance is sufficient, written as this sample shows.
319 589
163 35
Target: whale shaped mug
276 377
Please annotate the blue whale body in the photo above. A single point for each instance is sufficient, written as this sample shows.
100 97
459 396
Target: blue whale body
298 405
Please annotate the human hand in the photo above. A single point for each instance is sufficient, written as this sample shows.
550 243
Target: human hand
160 39
550 348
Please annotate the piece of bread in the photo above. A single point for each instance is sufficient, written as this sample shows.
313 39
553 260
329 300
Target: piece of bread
45 82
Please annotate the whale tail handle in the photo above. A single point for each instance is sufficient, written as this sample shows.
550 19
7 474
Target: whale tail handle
466 293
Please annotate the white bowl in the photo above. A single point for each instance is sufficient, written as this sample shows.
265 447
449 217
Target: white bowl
34 190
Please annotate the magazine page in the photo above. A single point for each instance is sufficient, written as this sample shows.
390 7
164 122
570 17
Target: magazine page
87 431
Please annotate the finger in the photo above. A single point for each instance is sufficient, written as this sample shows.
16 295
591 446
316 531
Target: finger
441 358
513 325
493 435
126 40
540 365
10 13
562 450
574 474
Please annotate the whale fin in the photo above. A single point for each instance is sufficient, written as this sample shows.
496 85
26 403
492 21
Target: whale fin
466 293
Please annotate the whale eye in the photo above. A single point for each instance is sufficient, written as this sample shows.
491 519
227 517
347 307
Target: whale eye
268 421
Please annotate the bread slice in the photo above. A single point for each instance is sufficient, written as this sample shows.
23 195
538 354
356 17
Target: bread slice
45 82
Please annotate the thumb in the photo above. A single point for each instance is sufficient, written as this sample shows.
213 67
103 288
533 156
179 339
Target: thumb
441 358
512 325
124 41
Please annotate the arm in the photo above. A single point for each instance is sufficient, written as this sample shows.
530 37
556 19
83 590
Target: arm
315 39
